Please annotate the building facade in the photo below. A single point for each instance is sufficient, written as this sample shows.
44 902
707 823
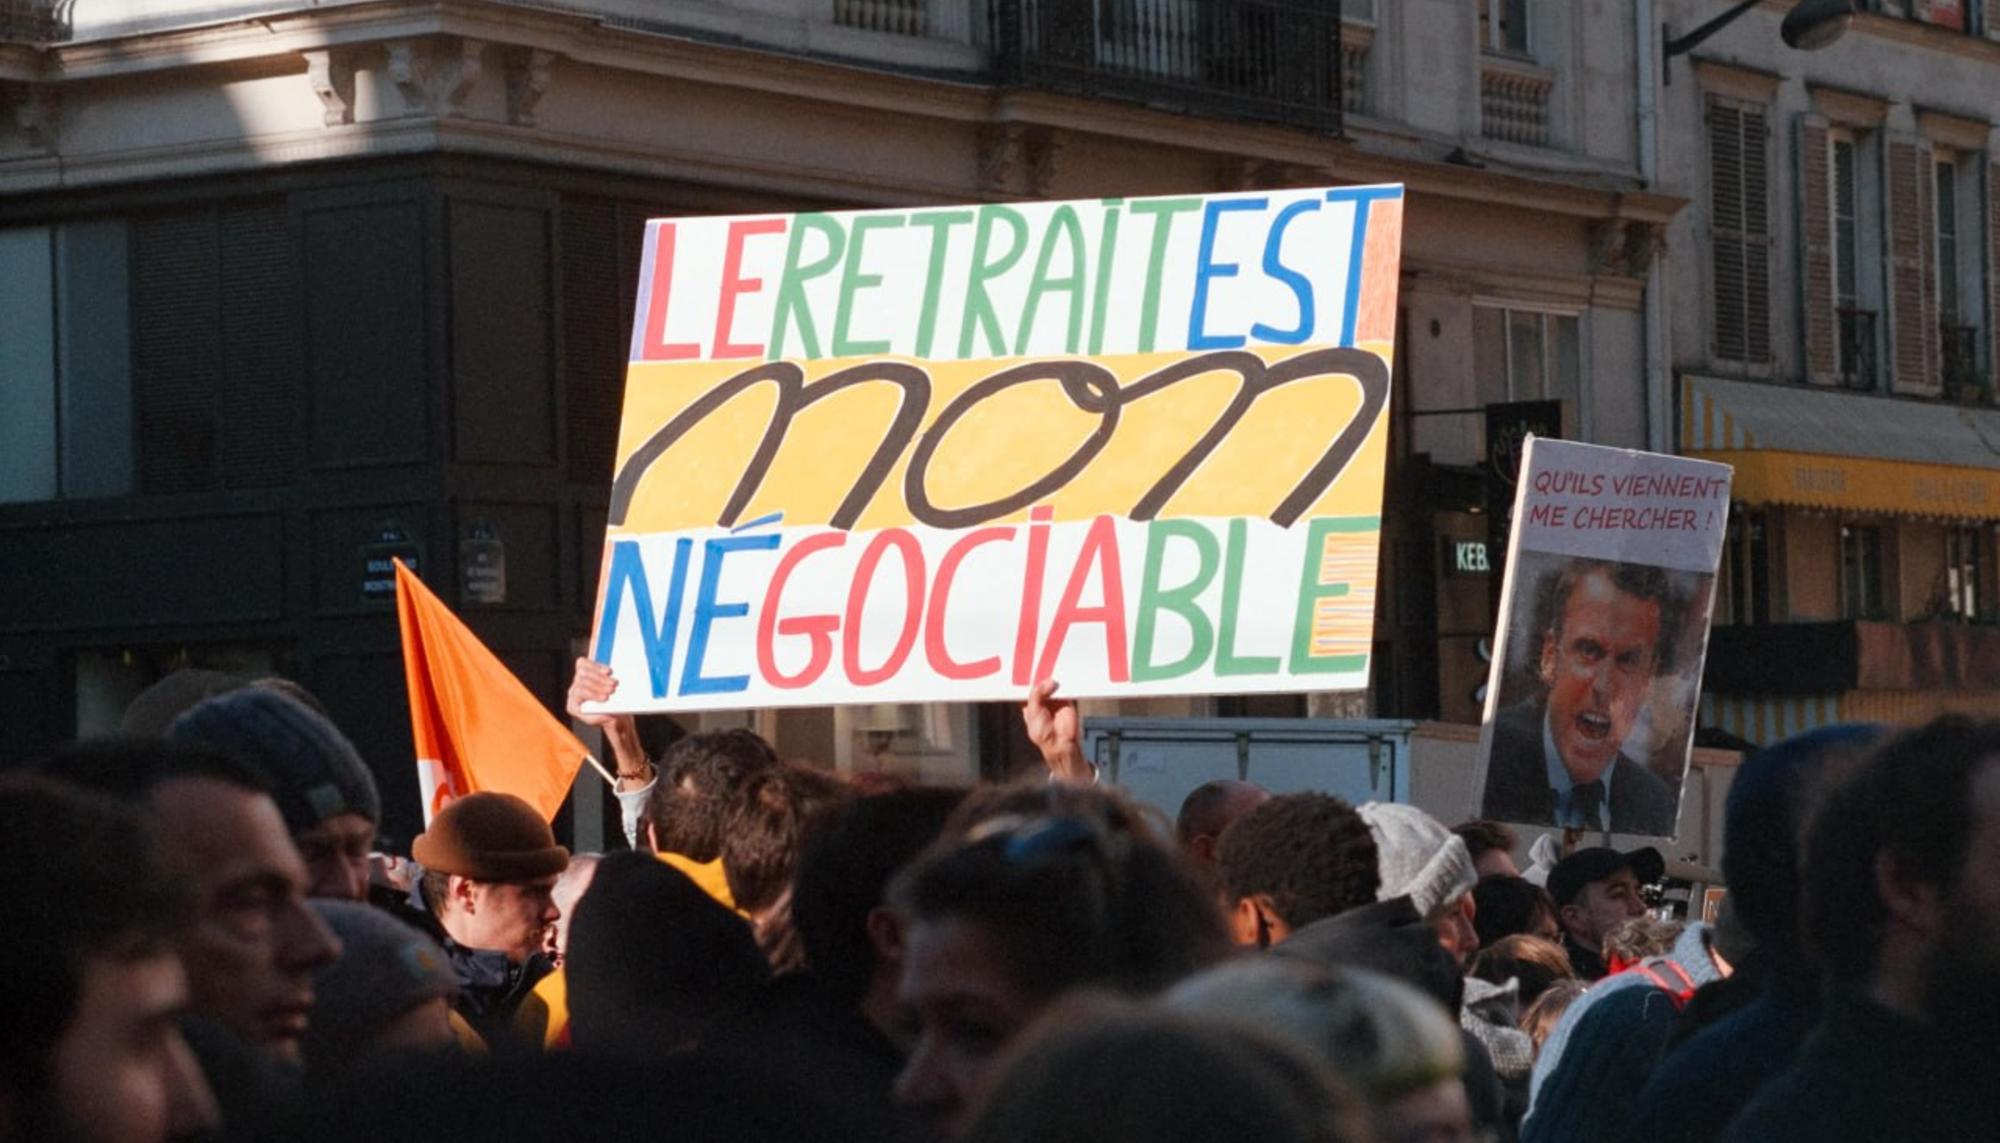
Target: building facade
1833 316
291 290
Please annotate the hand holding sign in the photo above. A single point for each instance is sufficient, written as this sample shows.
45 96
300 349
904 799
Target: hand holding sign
1055 728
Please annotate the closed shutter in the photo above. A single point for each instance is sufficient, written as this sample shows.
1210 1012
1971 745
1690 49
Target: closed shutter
1740 233
1818 320
260 377
1993 264
175 352
1912 284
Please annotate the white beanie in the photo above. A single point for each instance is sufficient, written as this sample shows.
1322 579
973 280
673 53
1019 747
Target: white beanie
1418 857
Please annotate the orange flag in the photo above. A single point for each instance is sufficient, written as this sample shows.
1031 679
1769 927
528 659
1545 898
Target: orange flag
477 728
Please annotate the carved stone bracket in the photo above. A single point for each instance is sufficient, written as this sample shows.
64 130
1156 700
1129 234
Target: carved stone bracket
527 82
35 109
434 75
1018 158
1044 152
331 73
1624 246
1002 148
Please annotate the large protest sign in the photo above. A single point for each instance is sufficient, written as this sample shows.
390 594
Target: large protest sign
1604 624
1135 445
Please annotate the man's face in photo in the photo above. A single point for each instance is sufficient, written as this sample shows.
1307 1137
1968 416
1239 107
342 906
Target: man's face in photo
1597 664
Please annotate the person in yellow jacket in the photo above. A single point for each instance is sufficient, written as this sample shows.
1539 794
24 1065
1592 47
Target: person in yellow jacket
676 809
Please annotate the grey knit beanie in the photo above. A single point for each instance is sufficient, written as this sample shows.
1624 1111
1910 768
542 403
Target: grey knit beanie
385 969
1417 856
317 771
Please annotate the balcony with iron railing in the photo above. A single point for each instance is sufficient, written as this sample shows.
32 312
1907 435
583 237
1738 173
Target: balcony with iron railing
1275 61
35 21
1857 348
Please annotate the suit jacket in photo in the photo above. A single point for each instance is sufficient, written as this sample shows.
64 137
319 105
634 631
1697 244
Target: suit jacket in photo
1517 780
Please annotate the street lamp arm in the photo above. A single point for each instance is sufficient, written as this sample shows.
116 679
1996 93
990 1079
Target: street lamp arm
1684 44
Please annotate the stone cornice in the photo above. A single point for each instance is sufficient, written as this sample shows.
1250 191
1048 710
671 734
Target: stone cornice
314 42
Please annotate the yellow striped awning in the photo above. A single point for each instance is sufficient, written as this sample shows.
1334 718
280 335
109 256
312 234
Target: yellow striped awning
1846 452
1862 484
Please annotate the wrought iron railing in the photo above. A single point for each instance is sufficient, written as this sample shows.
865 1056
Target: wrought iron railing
1857 347
35 21
1959 361
1276 61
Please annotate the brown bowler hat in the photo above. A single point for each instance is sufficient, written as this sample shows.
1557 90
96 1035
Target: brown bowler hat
490 837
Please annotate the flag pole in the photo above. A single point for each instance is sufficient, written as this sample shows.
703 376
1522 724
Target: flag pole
601 771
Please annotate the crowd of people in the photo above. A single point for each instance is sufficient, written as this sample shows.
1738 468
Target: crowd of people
206 946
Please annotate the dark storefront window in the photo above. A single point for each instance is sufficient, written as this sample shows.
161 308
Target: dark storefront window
1861 571
1746 570
1964 561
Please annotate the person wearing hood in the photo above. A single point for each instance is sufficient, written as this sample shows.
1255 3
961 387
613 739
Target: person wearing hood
1701 1085
1592 1067
490 867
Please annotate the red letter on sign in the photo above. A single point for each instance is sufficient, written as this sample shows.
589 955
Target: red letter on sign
819 628
654 347
734 283
1100 548
934 648
857 597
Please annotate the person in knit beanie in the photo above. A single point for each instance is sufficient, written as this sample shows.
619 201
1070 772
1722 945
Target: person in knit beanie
325 791
390 992
490 868
1420 859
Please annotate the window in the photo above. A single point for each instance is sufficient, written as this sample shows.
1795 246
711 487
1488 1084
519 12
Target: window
1503 26
65 357
1846 251
1963 548
1526 355
1961 273
1947 241
1739 233
1855 346
1861 571
1746 570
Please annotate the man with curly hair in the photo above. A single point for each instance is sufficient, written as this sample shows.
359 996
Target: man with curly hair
1294 860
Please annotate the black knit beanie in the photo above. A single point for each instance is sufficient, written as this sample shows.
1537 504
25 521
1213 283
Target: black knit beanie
319 774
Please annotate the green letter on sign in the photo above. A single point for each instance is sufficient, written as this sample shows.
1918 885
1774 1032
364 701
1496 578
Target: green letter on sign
1180 600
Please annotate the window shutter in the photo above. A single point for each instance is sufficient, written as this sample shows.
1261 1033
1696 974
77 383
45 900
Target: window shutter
1993 263
260 379
1819 323
1757 236
1739 225
1932 327
1912 291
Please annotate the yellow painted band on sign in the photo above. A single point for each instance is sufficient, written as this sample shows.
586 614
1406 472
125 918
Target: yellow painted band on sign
1236 433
